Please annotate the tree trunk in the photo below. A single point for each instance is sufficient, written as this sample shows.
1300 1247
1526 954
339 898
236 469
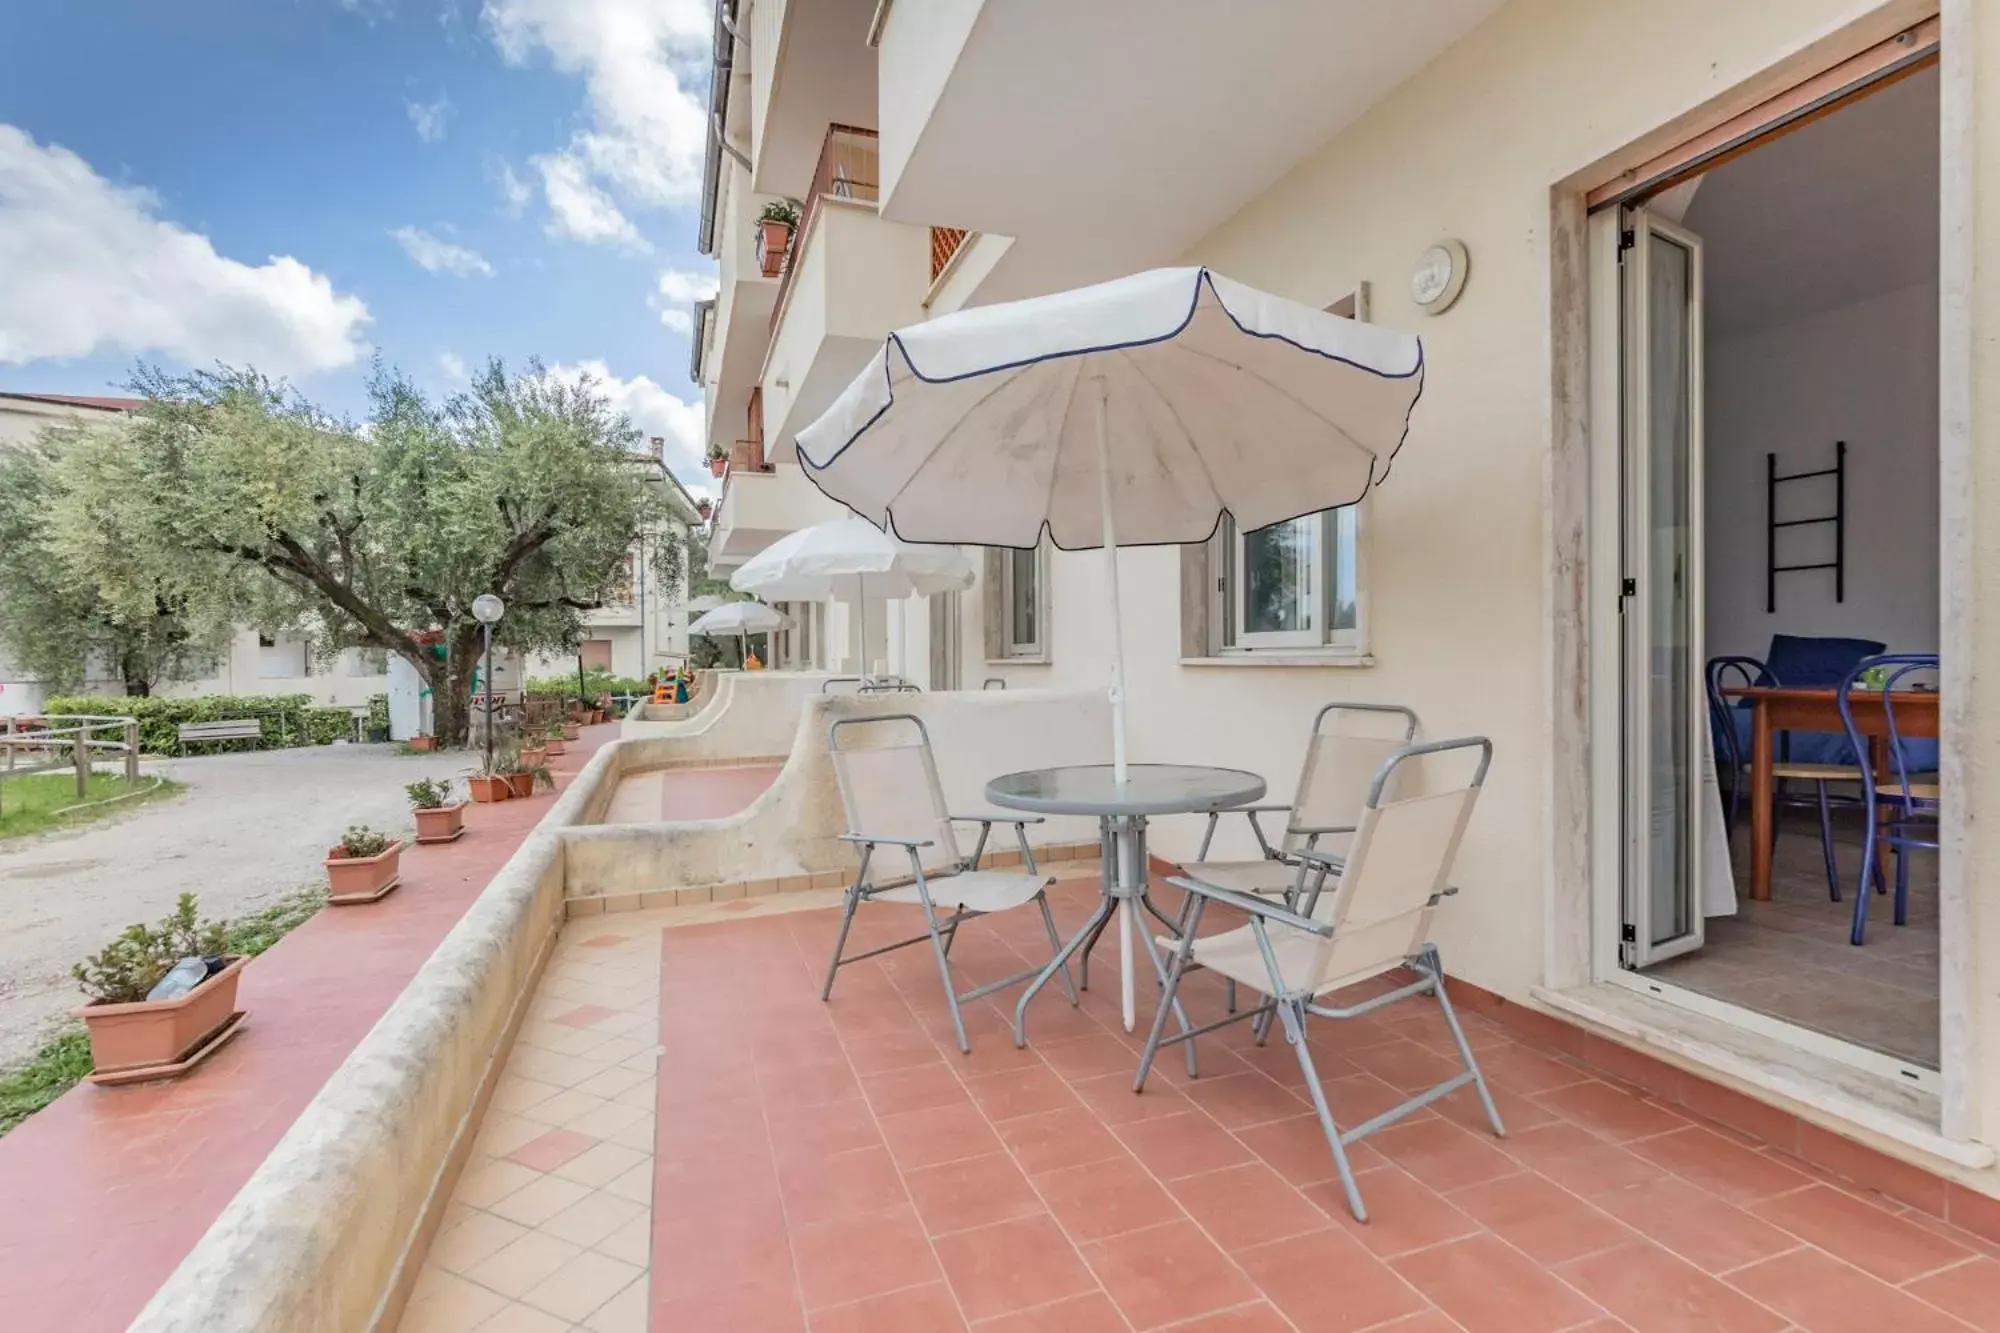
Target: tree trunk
137 685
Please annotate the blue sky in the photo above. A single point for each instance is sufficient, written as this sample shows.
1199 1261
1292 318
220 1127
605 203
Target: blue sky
304 184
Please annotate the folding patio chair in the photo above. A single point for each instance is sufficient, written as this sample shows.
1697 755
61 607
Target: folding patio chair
892 796
1373 919
1342 756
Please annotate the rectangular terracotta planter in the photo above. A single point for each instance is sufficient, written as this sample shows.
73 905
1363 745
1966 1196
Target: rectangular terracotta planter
555 745
127 1038
520 786
363 879
423 743
444 823
487 790
533 756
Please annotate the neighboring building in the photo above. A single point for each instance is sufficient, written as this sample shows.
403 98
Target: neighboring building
1791 191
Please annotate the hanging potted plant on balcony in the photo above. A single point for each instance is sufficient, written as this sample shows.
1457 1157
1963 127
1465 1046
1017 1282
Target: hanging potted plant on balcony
161 1000
718 461
363 866
775 226
439 818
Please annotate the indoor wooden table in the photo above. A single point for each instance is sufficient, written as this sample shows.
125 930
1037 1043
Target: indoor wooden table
1777 709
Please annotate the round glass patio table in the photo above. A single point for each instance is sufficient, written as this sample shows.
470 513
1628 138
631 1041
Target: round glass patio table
1121 810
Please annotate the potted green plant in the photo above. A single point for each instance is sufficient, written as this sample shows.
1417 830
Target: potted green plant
422 744
490 783
161 999
775 225
572 726
363 866
534 754
555 741
718 461
439 818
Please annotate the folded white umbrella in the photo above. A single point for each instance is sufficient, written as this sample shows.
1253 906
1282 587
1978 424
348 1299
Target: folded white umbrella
1137 411
850 559
741 619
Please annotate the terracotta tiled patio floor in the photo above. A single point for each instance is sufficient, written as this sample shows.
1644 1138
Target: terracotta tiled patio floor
842 1167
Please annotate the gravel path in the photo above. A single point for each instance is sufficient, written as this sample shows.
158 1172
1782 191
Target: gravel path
248 829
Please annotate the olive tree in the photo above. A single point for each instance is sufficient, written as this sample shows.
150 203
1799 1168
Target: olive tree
229 491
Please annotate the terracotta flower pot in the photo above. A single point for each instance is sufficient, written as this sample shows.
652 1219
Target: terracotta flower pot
556 745
774 240
520 786
717 466
148 1034
485 791
442 823
362 879
572 730
423 744
533 756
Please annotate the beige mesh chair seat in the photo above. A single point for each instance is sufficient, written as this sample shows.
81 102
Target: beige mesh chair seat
1372 918
889 787
1347 745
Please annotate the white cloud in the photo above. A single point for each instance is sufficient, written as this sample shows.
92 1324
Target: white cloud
578 209
514 192
435 255
652 409
453 366
645 65
430 117
90 267
677 290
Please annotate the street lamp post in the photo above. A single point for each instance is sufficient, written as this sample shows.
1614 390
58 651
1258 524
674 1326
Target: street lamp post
487 610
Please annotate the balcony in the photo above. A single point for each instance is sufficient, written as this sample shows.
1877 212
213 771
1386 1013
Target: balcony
810 66
761 502
851 278
1094 179
745 298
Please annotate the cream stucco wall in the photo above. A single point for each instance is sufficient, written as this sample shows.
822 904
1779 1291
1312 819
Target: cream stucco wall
1457 544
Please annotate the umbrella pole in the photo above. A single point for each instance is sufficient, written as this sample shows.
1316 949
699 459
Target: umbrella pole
1124 839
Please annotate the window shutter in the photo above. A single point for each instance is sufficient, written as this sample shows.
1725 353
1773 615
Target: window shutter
1196 640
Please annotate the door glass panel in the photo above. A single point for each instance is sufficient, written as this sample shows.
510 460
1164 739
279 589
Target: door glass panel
1674 779
1023 630
1344 611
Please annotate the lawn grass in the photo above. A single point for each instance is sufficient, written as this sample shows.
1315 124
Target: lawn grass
28 805
64 1059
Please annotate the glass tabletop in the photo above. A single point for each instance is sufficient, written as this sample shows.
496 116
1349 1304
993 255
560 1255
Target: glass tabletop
1148 789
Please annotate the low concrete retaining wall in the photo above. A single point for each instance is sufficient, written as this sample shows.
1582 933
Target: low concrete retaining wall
789 837
705 685
330 1231
752 712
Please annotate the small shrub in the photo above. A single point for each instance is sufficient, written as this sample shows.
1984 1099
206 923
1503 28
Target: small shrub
286 719
361 842
506 759
544 780
780 210
131 965
429 794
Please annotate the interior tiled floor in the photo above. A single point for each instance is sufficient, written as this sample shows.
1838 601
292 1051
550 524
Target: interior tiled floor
841 1166
1789 957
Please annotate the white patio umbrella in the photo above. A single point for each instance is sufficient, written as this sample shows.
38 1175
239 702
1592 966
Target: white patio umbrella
851 559
741 619
1137 411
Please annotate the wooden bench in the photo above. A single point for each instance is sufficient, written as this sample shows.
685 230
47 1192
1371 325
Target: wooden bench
240 729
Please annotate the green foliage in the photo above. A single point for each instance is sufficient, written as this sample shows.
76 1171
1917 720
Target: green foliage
28 805
125 969
506 759
287 719
253 934
54 624
361 842
58 1066
429 793
595 684
780 210
378 716
230 495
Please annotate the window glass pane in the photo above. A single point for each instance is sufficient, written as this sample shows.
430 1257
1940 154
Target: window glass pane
1671 684
1022 604
1278 577
1344 616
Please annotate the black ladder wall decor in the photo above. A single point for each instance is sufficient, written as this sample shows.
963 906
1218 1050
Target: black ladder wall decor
1838 518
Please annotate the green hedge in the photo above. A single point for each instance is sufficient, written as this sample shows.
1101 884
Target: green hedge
288 719
595 683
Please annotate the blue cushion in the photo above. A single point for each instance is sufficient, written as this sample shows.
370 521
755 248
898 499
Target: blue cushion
1802 662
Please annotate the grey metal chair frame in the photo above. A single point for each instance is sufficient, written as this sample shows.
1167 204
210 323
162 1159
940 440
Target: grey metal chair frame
1293 1007
940 932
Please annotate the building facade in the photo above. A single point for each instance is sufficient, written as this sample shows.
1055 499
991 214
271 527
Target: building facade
1663 261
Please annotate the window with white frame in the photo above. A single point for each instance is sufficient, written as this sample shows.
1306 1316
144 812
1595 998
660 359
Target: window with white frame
1017 604
1296 586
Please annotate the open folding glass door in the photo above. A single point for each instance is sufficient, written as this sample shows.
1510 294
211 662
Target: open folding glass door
1661 606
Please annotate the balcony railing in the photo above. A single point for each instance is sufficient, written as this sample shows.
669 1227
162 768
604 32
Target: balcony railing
945 242
849 168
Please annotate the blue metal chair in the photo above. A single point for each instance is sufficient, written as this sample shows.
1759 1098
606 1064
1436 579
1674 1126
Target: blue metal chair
1903 813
